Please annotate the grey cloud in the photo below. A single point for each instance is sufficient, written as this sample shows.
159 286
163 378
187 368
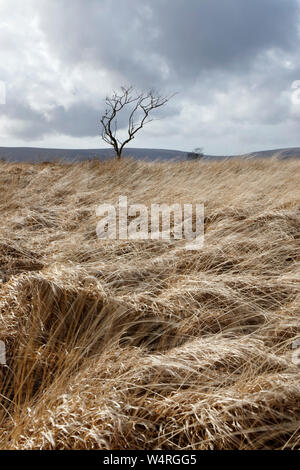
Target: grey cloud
189 38
78 120
223 34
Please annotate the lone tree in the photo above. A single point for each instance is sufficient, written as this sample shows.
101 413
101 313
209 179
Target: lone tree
197 154
138 106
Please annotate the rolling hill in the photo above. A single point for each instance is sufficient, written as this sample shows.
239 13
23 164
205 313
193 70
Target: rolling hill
35 155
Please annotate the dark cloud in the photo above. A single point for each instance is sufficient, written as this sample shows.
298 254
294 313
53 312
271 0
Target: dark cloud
79 120
158 41
218 34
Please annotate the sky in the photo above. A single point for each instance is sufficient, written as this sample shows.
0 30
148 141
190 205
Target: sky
233 64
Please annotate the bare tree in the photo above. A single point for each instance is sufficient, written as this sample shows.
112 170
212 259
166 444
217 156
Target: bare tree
197 154
138 104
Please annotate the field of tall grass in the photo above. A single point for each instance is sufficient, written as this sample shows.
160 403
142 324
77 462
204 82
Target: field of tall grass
143 344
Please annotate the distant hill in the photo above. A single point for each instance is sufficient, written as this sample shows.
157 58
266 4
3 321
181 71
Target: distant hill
33 154
293 152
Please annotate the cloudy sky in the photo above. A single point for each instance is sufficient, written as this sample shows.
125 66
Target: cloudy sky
231 62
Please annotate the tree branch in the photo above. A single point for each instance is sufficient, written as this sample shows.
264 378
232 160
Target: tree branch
143 103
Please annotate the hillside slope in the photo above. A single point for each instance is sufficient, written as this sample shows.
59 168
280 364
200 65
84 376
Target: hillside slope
142 344
37 155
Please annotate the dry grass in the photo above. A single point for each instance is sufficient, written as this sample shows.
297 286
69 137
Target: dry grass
144 345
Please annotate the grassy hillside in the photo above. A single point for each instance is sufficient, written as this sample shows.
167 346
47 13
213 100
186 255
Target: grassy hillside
144 345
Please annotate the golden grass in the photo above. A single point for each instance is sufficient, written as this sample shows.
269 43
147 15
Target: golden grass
144 345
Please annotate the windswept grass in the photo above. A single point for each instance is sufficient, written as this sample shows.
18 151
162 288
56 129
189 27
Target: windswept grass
144 345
